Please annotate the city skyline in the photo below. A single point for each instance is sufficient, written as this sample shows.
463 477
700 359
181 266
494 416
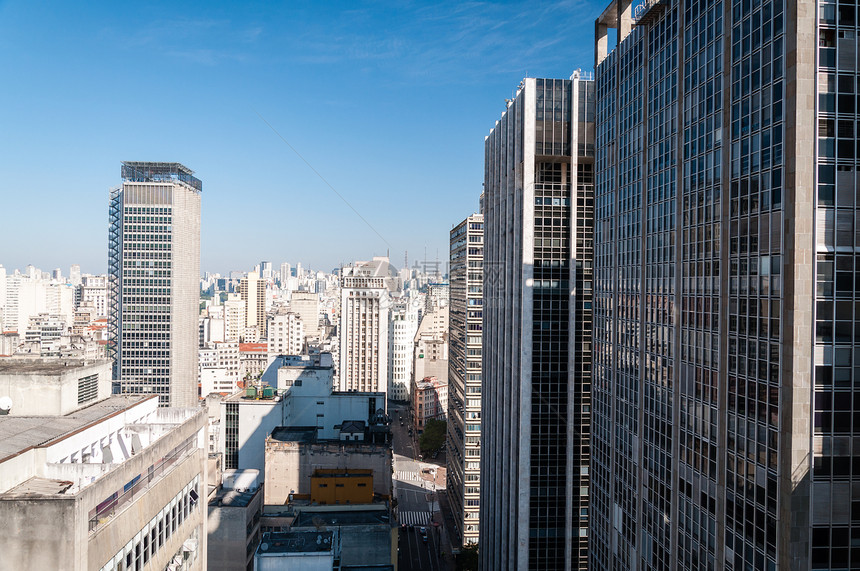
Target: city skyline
377 76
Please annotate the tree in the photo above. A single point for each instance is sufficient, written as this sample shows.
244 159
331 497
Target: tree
467 559
433 436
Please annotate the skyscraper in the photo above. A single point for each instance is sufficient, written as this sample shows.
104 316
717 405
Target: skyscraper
154 269
466 293
724 328
363 328
538 203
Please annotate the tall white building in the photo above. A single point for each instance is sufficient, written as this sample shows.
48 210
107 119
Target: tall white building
75 275
2 297
154 266
363 329
285 273
307 305
253 292
218 367
403 325
234 318
286 333
94 289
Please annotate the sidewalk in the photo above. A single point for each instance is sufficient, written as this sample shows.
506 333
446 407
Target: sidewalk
447 534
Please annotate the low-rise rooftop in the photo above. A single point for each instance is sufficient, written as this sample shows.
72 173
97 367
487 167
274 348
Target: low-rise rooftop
233 498
20 433
18 366
297 542
308 518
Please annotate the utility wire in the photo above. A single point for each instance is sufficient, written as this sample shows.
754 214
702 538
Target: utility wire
322 178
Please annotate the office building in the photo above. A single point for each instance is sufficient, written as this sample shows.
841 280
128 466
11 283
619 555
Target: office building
465 324
154 268
538 187
286 273
253 292
403 324
363 329
93 481
725 289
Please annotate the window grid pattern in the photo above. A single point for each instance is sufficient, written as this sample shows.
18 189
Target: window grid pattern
700 231
836 400
754 256
659 299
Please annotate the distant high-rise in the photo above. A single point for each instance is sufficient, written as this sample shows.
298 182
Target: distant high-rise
253 292
285 274
75 275
307 305
536 409
363 328
725 307
154 270
465 305
266 271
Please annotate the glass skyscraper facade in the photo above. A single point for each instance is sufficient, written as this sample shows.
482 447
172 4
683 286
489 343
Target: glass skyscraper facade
726 232
538 202
154 273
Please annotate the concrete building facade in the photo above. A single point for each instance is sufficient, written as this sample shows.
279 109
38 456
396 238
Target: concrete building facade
111 485
307 305
252 289
401 344
538 201
363 328
286 333
466 294
154 268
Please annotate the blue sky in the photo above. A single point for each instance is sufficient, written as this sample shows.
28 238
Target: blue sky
388 101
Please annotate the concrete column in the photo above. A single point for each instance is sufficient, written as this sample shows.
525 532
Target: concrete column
601 43
625 18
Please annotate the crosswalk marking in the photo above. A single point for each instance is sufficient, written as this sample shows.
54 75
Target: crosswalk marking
414 518
406 476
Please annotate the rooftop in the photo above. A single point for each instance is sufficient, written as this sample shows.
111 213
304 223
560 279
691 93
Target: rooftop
142 171
44 366
233 498
297 542
307 518
253 347
20 433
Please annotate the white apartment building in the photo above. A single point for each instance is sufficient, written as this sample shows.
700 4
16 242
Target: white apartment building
218 366
253 292
403 325
286 333
29 294
94 289
46 334
363 330
307 305
234 318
